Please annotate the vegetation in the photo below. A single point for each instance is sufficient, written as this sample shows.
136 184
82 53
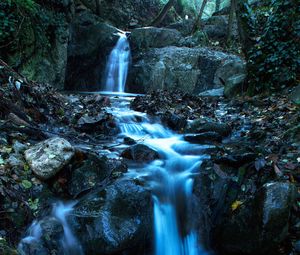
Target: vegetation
28 25
272 45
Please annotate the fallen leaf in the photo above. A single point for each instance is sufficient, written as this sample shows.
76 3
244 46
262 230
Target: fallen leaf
235 205
277 171
259 163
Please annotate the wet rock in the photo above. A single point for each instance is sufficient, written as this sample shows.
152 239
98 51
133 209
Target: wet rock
94 171
140 153
103 123
129 141
33 248
52 233
15 160
47 158
91 42
43 238
295 95
114 219
201 126
236 160
191 70
19 147
153 37
234 86
206 137
174 121
213 93
261 224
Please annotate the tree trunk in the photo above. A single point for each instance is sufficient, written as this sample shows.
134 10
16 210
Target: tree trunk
162 14
230 21
198 18
97 2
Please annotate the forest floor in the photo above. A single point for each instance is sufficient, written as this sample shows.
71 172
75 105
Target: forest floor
264 140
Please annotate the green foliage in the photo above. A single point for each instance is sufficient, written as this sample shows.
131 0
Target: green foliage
273 58
12 14
28 24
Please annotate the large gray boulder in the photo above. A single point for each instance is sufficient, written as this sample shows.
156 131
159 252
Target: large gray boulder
114 219
189 69
89 48
47 158
154 37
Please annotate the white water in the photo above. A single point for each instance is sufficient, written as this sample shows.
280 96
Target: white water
69 243
117 66
170 179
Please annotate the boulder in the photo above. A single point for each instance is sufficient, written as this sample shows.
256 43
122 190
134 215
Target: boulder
174 121
140 153
184 26
260 224
201 126
203 138
234 86
295 95
47 158
216 28
90 45
188 69
154 37
94 171
115 219
127 13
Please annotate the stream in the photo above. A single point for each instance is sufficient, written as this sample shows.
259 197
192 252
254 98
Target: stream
169 177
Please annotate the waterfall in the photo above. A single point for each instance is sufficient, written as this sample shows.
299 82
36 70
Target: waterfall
117 66
69 243
170 180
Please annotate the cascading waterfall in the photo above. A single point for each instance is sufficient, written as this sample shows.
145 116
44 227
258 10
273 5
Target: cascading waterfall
117 66
170 179
69 243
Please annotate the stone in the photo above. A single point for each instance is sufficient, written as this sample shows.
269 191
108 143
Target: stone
19 147
174 121
184 26
47 158
216 28
213 93
201 126
90 44
204 138
191 70
154 37
140 153
94 171
260 224
295 95
234 86
127 13
129 141
52 233
114 219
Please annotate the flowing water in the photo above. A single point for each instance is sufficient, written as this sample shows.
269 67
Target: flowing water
68 242
117 66
170 179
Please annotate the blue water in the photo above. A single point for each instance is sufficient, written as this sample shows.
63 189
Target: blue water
117 66
170 179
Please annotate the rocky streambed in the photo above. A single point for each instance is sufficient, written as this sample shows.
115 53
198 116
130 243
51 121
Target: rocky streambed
109 156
